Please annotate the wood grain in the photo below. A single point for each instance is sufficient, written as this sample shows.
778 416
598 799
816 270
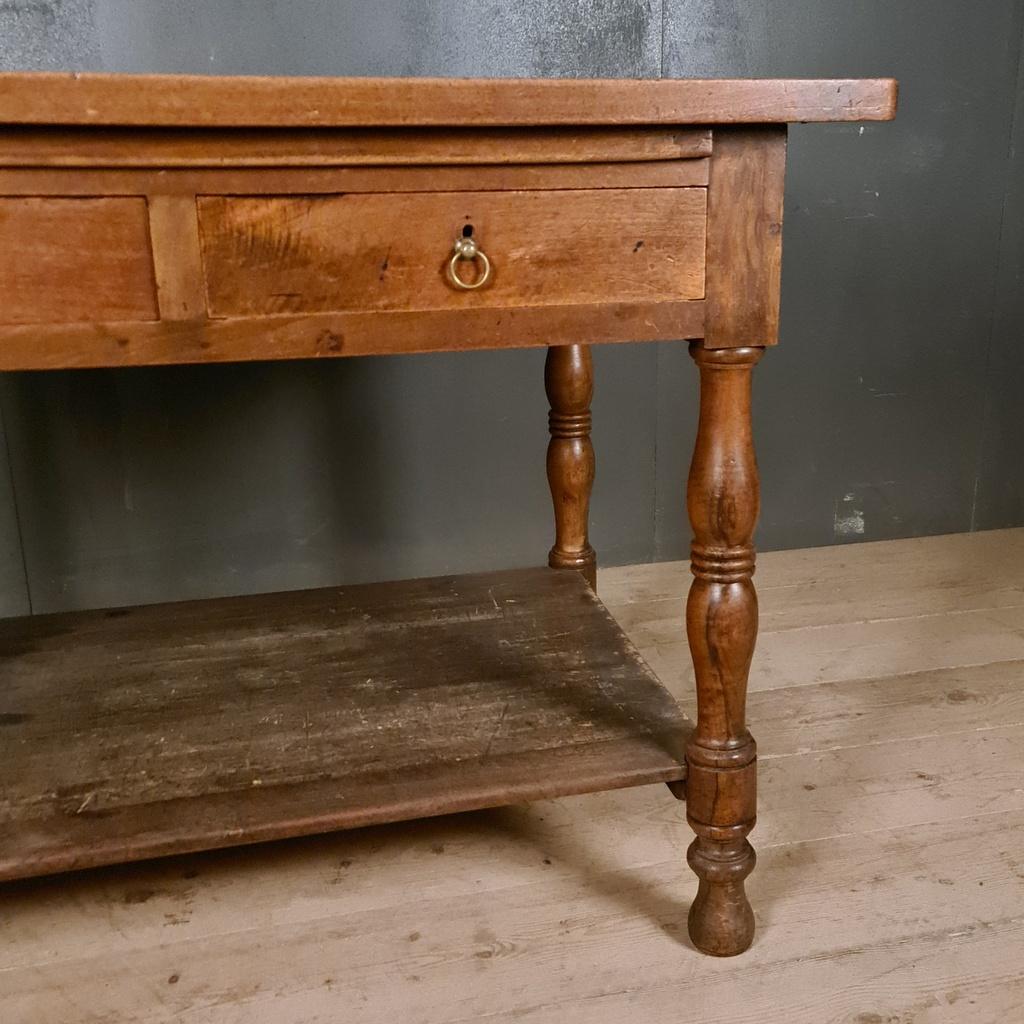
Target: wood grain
225 101
313 254
723 501
142 732
297 147
745 196
304 180
152 731
75 260
569 385
177 257
845 653
331 335
493 930
459 952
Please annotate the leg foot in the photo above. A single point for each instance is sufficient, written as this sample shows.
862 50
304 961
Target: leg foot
721 922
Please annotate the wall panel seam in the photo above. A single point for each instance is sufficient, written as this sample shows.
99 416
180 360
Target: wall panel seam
1016 104
9 465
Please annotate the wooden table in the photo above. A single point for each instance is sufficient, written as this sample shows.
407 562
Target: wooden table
158 220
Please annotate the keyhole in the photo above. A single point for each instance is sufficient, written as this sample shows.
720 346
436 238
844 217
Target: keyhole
467 231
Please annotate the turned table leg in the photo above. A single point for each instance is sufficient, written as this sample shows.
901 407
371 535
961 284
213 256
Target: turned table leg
569 383
721 625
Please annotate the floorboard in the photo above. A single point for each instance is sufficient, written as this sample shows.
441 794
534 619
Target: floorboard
889 887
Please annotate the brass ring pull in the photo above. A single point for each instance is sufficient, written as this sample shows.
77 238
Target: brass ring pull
467 249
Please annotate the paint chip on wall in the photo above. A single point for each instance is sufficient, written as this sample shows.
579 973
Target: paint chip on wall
847 519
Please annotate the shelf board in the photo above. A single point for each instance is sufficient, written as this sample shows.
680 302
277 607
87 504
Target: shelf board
164 729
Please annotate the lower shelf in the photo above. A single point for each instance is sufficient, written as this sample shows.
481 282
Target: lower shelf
166 729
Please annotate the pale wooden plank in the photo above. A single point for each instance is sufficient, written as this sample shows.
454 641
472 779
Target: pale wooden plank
848 613
848 583
916 979
856 789
986 551
862 650
827 716
798 720
591 940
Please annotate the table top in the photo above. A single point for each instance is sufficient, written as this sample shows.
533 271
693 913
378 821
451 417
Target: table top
225 102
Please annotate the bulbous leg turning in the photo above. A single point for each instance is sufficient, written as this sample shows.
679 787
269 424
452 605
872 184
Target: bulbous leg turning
569 383
721 626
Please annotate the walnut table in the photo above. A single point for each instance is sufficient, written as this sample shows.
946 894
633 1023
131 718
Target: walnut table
156 220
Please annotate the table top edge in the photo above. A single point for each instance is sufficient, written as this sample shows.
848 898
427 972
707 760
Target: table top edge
203 101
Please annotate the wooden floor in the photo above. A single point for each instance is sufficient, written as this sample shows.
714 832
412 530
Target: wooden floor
888 701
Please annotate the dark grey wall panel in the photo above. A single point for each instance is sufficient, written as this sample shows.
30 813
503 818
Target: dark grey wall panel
36 35
869 414
48 35
876 417
147 485
676 402
1000 499
387 37
14 598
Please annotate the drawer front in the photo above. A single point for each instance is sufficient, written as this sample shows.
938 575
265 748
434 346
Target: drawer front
75 260
364 252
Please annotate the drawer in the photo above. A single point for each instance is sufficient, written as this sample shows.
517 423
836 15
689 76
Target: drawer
66 260
374 252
